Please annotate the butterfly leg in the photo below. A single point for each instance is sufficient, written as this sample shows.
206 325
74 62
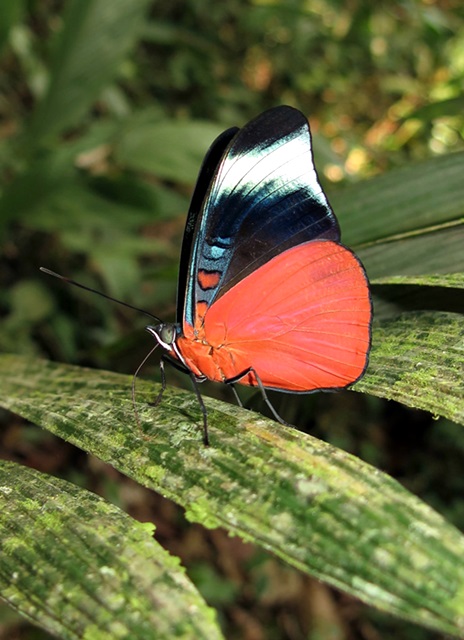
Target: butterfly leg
202 407
180 367
237 397
266 399
156 402
262 390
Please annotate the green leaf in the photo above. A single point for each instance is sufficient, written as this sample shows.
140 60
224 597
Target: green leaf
436 252
316 507
417 197
417 358
33 188
407 221
170 149
81 568
450 280
10 15
394 294
442 108
96 37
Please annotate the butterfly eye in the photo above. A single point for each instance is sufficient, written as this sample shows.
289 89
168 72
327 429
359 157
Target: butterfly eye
167 333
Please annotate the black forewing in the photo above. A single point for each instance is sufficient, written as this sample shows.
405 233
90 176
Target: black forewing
208 167
264 198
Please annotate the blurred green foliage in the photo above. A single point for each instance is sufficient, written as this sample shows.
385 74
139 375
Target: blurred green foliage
107 113
106 110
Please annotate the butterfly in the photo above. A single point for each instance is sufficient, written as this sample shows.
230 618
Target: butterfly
267 295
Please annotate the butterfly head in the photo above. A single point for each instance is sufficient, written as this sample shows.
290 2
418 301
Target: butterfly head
165 333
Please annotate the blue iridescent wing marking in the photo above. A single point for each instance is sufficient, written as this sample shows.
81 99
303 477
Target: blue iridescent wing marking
208 167
264 198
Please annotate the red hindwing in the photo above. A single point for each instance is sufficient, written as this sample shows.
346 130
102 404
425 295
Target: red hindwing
301 321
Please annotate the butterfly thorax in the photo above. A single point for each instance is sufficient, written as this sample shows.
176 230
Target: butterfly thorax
211 355
204 360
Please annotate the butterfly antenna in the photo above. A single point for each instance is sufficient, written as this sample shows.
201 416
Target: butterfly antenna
134 377
99 293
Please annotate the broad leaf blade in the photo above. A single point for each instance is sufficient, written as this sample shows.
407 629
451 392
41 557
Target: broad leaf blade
408 221
449 280
10 14
316 507
170 149
79 567
418 358
95 38
439 251
420 196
